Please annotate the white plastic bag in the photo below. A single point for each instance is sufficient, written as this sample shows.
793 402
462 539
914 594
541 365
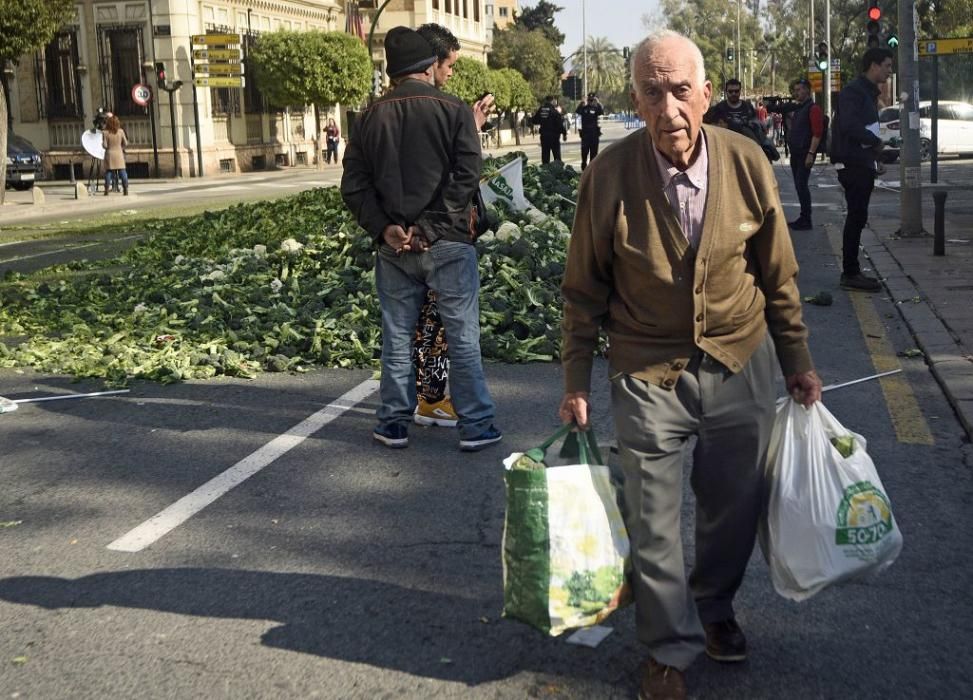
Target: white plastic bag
828 517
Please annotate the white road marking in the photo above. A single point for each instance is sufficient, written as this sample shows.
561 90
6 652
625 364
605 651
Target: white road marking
179 512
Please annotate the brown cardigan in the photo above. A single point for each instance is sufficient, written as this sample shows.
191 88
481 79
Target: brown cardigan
631 271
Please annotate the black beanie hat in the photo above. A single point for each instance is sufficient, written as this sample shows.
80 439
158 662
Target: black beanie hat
407 52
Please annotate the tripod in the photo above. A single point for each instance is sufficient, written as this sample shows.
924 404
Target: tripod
94 175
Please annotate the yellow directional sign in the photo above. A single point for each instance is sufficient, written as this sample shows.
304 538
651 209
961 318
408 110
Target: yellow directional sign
218 68
816 78
216 55
938 47
216 39
221 82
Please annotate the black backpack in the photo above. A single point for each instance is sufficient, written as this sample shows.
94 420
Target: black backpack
823 144
835 151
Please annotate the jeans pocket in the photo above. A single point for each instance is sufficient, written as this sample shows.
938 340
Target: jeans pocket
455 268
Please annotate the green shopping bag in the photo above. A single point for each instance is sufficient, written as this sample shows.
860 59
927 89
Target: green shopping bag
565 547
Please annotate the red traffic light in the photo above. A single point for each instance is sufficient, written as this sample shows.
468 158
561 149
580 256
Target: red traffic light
875 13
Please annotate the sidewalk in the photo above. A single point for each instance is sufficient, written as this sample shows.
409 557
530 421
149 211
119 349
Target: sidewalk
934 294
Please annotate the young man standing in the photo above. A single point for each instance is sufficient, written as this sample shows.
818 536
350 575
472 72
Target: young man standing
410 173
803 139
431 352
859 148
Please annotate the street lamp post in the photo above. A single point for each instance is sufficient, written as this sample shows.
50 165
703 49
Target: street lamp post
584 48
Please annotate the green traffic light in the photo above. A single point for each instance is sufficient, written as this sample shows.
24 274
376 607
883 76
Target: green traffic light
823 64
892 41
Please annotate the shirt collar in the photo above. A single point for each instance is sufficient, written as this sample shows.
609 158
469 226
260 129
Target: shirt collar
696 173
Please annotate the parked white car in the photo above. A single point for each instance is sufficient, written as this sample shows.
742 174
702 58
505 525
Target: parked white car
955 128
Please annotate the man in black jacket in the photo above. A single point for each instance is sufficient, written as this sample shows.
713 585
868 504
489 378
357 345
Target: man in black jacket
551 123
590 131
411 169
859 147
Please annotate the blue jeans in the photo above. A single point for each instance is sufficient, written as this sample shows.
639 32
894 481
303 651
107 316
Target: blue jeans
122 173
450 269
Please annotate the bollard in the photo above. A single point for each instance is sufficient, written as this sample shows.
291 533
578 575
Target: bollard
939 230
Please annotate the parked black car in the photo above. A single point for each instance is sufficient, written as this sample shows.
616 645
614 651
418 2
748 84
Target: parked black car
23 163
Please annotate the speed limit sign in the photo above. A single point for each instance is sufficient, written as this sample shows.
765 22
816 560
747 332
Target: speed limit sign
141 94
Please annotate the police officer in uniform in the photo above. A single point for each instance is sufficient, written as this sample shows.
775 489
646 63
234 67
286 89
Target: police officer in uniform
551 123
590 131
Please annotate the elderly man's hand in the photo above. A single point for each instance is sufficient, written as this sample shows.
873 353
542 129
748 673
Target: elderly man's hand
574 407
805 387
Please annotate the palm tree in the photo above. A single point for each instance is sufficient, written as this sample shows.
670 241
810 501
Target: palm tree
606 67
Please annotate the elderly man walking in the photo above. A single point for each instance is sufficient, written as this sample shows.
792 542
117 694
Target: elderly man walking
681 252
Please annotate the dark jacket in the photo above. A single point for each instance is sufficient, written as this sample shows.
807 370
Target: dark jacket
589 114
801 132
549 120
413 158
857 108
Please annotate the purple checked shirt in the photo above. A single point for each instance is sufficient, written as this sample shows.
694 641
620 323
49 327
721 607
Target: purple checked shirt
686 191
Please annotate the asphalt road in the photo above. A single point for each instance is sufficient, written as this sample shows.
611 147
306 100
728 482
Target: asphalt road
345 570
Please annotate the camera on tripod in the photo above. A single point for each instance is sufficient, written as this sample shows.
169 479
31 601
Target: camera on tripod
100 119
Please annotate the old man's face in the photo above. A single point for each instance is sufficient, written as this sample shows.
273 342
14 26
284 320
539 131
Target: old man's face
671 95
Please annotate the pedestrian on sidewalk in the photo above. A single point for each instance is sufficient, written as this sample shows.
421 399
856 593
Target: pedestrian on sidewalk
590 131
114 141
410 173
332 134
695 308
550 121
859 147
430 351
803 138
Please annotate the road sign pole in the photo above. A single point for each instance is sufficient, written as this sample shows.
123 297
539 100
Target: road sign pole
934 147
199 144
910 198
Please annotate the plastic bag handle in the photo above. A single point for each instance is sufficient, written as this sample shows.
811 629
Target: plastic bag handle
560 433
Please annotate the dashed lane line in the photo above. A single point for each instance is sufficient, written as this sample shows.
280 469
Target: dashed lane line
179 512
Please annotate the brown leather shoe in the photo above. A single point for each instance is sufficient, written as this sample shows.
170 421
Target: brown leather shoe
725 641
661 682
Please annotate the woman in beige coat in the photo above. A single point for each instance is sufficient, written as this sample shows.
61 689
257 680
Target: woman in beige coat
114 141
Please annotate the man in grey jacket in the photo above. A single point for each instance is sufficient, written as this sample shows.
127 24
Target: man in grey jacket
411 169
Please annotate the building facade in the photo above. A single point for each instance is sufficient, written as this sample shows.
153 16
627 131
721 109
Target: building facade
111 47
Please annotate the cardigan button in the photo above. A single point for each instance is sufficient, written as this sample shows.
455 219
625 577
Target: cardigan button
668 384
699 318
677 366
699 289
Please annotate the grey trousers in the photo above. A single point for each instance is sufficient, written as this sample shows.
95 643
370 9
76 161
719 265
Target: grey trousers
732 416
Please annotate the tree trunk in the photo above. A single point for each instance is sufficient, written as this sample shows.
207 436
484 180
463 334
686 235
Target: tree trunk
515 126
317 139
3 137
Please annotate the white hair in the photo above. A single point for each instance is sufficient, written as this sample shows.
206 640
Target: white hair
649 44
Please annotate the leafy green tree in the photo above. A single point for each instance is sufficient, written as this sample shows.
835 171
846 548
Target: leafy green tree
25 25
521 98
470 79
606 67
541 18
314 67
532 55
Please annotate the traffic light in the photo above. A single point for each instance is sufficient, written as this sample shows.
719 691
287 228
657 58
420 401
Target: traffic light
892 40
873 27
729 54
822 56
160 73
626 54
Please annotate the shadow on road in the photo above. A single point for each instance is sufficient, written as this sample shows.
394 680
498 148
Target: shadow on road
427 634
